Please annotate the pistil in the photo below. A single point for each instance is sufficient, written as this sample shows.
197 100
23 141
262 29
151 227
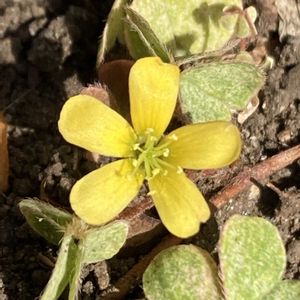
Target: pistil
150 155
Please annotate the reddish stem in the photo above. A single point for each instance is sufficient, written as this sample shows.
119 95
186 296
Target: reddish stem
259 172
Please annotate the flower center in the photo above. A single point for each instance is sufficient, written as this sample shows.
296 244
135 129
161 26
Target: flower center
150 154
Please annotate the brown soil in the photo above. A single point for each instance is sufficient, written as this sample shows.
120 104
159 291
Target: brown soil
48 53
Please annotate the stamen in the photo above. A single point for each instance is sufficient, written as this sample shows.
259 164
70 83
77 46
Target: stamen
166 152
155 172
173 137
179 170
147 169
149 130
135 162
164 145
137 147
155 164
166 164
150 141
160 153
150 154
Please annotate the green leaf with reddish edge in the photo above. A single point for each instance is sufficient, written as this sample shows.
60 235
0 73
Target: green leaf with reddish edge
45 219
141 40
62 270
210 91
252 257
103 242
189 27
182 272
285 290
112 29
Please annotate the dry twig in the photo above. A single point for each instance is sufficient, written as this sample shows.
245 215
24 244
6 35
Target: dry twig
259 172
4 164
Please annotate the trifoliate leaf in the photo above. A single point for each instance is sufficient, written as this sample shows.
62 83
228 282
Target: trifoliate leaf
189 27
62 270
182 272
210 91
45 219
252 258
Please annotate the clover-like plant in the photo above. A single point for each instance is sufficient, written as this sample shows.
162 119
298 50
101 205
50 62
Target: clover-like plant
186 27
182 32
252 263
146 154
79 244
171 29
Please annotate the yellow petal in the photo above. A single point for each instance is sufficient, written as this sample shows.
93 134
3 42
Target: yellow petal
90 124
179 203
204 145
102 194
153 89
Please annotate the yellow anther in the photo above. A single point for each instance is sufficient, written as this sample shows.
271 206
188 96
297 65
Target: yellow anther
155 172
135 162
173 137
149 130
150 155
166 152
179 170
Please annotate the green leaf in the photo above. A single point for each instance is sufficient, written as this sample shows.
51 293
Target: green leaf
210 91
62 270
104 242
189 27
45 219
137 45
112 29
74 286
141 40
182 272
285 290
252 257
97 245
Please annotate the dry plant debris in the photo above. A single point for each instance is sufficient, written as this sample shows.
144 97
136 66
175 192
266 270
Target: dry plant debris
4 166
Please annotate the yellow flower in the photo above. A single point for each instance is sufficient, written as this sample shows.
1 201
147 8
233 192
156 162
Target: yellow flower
146 153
